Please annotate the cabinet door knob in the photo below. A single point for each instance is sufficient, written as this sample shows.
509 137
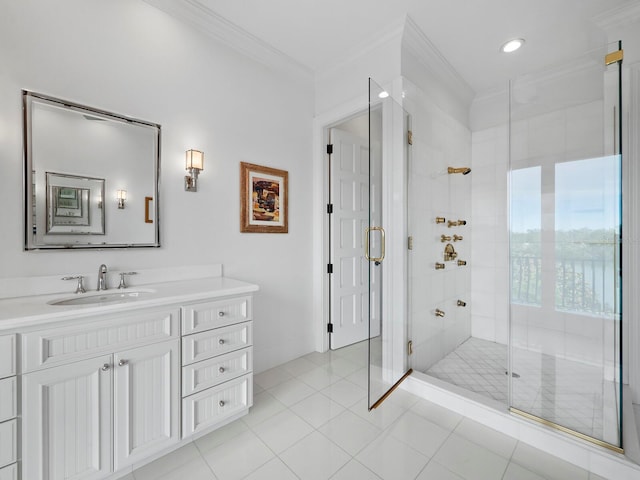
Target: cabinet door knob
221 369
106 367
221 341
221 314
122 362
221 403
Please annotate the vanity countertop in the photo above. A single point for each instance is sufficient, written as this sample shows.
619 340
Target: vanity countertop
22 312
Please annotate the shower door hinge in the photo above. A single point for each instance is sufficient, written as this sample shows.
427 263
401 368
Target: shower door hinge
329 208
330 268
410 347
410 137
410 243
329 149
329 327
614 57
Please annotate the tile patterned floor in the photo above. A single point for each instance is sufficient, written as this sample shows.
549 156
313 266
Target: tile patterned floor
565 392
310 421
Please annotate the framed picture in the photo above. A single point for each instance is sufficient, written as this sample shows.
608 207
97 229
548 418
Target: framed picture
263 199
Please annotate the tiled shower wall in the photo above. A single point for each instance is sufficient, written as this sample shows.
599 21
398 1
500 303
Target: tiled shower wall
439 141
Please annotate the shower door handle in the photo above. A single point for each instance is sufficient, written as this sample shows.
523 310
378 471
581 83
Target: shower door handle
367 234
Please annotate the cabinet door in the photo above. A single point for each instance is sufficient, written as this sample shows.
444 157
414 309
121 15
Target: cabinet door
66 421
146 401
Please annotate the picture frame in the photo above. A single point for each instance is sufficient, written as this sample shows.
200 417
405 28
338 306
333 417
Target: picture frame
264 198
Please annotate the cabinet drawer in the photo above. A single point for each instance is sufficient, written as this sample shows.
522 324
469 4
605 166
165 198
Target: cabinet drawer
201 346
9 472
202 375
8 398
8 441
7 355
209 407
65 344
205 316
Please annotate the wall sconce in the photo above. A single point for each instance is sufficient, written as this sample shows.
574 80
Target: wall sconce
121 195
194 165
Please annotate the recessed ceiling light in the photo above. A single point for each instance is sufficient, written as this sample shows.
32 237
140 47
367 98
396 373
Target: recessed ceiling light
383 94
512 45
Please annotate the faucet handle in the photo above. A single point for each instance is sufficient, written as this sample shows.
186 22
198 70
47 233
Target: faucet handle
80 286
123 284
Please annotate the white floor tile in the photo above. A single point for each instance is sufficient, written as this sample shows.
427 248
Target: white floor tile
221 435
299 366
271 378
291 391
351 432
516 472
282 430
354 470
319 378
274 469
265 406
391 459
317 409
238 457
435 471
171 461
497 442
383 416
470 461
437 414
546 465
345 393
195 469
315 457
419 433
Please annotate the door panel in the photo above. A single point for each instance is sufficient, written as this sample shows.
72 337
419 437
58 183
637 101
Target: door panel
67 421
145 401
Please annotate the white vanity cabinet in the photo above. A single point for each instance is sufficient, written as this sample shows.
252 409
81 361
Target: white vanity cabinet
91 393
8 409
217 362
92 416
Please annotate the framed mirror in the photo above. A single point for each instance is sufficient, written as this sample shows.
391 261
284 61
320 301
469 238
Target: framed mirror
91 177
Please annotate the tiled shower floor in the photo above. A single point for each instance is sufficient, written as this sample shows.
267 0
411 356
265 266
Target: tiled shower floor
565 392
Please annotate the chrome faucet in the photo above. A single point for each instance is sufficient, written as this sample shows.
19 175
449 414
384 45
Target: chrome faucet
102 277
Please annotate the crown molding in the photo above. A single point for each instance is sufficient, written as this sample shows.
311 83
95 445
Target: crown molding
193 13
415 41
621 16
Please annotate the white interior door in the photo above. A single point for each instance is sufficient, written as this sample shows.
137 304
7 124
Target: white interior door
352 197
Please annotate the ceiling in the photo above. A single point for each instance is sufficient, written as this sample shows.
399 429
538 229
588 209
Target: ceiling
468 33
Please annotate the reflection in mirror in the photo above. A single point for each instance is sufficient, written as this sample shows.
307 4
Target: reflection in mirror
74 205
78 159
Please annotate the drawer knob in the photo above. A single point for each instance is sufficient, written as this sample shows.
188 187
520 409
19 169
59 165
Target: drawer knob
221 341
122 362
221 403
106 367
221 314
221 369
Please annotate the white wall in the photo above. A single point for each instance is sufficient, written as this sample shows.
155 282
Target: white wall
127 57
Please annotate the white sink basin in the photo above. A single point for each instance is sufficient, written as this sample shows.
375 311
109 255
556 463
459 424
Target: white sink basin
102 298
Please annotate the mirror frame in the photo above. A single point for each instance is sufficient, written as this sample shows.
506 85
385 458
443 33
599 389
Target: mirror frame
29 214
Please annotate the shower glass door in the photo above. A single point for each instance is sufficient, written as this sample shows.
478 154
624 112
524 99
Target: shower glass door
387 127
565 247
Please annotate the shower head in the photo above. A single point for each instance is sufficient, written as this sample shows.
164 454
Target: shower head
462 170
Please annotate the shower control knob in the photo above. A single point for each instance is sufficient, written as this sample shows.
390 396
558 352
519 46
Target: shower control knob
445 238
457 238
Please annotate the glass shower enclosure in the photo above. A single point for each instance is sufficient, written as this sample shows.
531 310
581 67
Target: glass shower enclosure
565 247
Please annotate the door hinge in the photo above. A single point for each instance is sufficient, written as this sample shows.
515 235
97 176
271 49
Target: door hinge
330 327
614 57
410 137
410 347
329 149
329 208
330 268
410 243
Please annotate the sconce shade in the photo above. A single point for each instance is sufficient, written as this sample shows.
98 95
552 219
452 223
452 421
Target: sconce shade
121 195
195 160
